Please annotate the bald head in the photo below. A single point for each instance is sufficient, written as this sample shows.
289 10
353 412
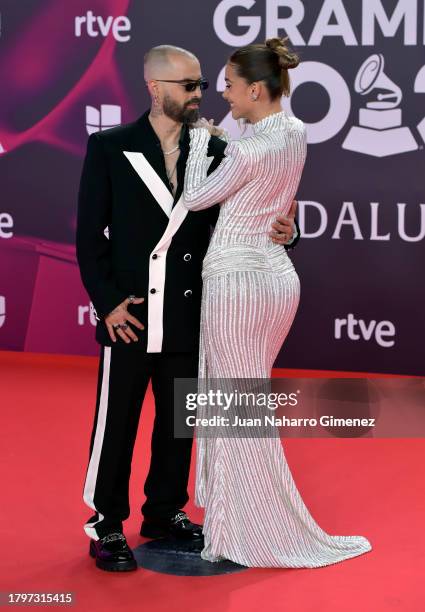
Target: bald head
166 70
167 61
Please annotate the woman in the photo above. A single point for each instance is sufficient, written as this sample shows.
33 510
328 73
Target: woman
254 514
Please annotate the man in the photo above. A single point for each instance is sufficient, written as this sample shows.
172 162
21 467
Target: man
144 280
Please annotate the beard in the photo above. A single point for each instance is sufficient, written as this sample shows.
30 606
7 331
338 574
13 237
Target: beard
179 113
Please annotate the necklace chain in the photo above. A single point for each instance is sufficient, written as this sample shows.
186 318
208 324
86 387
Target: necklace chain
171 150
171 174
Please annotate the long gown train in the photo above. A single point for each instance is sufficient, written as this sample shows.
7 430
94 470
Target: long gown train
254 514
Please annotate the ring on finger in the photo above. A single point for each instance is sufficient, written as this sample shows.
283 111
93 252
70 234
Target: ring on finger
117 326
124 326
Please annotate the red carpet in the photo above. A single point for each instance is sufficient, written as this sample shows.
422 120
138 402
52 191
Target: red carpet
371 487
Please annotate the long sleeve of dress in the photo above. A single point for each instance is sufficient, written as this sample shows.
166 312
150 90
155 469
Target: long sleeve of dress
202 191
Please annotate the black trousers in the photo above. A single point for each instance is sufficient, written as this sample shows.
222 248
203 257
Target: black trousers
124 374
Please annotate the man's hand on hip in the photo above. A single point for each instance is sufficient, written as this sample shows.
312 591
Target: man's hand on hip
117 321
284 226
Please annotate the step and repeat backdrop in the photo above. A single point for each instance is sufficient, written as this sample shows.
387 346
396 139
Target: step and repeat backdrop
69 68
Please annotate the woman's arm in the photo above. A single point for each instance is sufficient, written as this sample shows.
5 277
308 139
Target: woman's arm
202 191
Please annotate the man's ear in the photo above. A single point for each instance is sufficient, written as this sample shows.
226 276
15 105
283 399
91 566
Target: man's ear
153 89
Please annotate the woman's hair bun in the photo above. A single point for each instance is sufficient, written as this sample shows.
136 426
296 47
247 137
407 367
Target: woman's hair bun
287 59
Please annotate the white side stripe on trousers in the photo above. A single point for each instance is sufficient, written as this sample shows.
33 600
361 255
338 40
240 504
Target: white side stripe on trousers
92 471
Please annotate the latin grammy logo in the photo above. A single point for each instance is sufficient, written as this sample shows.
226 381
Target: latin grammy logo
420 88
380 132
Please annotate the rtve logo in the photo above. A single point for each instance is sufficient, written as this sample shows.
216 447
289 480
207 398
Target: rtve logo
97 25
86 314
2 310
6 224
357 329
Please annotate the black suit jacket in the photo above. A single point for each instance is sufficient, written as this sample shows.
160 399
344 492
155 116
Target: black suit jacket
155 246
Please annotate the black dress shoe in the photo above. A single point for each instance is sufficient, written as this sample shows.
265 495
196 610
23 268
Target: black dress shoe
179 526
112 553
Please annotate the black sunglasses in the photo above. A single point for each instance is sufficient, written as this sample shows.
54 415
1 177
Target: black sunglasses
188 85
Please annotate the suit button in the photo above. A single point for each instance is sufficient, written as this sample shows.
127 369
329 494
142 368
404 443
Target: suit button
153 290
154 256
187 292
187 257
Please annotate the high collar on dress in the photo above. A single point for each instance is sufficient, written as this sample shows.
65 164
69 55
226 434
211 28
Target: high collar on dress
271 122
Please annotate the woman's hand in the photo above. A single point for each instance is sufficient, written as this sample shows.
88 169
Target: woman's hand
209 125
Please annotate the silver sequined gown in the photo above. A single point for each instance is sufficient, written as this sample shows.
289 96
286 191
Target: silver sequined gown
254 514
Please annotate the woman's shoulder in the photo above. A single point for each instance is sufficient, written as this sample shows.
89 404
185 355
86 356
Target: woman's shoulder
295 124
245 150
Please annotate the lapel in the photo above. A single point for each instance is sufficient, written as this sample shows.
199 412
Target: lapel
184 143
147 160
